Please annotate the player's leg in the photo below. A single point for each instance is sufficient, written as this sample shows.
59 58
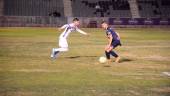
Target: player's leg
114 54
53 52
63 47
56 51
107 53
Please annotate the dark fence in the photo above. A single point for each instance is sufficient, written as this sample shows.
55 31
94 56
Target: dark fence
33 7
31 21
90 22
139 21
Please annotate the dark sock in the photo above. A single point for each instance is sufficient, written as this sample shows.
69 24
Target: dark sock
113 53
107 55
56 52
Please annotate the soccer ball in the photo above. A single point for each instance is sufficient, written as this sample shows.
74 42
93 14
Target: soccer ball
102 59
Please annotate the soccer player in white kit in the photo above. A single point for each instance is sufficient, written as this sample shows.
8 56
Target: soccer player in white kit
68 28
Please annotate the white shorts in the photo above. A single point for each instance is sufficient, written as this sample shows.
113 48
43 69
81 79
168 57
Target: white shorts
63 43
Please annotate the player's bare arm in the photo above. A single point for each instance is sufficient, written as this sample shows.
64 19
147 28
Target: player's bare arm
82 32
59 29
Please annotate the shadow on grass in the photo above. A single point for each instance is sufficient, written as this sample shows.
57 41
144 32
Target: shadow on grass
107 65
122 60
75 57
125 60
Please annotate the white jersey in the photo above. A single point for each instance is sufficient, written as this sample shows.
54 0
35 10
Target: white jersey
70 28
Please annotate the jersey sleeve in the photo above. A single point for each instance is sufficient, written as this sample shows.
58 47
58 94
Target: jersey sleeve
64 26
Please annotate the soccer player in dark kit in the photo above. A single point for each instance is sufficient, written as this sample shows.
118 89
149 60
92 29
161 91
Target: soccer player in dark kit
113 41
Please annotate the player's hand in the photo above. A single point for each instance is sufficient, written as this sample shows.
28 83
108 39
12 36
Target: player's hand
59 29
88 34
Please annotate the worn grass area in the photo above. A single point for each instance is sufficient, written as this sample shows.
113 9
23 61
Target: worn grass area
27 70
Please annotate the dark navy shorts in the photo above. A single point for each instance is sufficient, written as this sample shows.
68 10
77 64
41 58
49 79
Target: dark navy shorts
116 43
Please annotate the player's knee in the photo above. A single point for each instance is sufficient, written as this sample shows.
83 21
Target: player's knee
65 49
108 50
105 49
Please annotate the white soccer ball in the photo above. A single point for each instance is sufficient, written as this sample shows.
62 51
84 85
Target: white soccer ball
102 59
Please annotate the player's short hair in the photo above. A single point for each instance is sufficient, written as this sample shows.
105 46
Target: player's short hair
75 19
103 22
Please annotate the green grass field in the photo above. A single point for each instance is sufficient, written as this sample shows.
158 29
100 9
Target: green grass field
26 68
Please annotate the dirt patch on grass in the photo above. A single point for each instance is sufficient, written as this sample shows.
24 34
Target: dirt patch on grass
18 93
127 54
157 57
135 93
134 74
162 90
147 46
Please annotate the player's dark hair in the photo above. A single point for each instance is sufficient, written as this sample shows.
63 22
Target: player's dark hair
75 19
103 22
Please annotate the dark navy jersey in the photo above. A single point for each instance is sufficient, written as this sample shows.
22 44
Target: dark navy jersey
109 31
